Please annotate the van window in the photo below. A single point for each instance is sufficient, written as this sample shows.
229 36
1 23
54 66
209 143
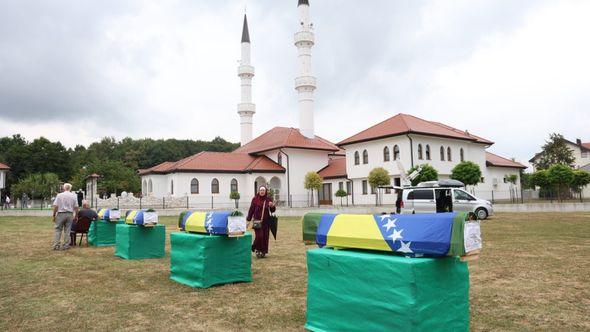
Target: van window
461 195
421 194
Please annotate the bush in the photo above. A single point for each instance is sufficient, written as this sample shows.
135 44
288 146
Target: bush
428 173
467 172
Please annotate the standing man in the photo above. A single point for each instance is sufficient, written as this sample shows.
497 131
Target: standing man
80 195
7 202
65 211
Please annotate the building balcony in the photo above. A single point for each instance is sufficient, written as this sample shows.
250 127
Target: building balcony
304 37
246 70
305 81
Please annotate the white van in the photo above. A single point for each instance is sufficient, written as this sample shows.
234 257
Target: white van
435 198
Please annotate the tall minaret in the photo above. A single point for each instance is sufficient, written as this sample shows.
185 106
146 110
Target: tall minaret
305 82
246 108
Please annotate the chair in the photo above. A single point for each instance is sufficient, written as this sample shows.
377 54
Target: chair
81 227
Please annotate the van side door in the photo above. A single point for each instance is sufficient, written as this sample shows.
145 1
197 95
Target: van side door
423 200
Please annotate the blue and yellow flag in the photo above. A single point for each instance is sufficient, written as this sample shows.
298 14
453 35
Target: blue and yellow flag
412 234
134 217
104 213
206 222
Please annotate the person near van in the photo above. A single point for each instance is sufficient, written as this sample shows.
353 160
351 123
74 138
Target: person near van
260 209
65 211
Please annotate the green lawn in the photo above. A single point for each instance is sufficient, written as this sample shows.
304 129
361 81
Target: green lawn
534 274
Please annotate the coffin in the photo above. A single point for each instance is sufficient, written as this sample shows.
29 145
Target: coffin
104 213
214 222
416 235
141 217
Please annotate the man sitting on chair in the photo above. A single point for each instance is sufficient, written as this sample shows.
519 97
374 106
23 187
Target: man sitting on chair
85 213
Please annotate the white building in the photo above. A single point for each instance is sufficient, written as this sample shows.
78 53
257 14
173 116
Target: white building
3 171
282 156
413 141
581 153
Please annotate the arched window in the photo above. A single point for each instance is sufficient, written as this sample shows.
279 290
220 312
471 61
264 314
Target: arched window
233 186
427 152
279 159
442 153
357 159
144 187
194 186
395 152
215 186
420 151
171 187
462 154
449 154
150 187
386 153
365 157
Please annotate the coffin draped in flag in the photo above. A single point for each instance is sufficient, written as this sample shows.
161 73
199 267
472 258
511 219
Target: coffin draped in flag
214 222
439 234
104 213
134 217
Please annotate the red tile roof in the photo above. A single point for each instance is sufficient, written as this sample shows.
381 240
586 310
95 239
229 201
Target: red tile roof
402 124
282 137
586 145
495 160
217 162
336 168
4 166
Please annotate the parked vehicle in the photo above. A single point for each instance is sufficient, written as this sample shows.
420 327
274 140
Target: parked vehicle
440 196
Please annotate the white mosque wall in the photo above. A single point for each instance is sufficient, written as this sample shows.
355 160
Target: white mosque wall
2 179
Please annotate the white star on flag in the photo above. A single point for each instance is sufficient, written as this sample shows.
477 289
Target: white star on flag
405 247
390 224
396 235
384 216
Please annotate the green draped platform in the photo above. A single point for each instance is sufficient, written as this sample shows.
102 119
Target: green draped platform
102 233
204 260
139 242
371 291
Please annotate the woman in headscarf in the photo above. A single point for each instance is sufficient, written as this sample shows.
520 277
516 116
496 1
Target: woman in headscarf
260 209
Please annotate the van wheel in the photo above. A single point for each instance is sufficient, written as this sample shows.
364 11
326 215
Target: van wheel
481 213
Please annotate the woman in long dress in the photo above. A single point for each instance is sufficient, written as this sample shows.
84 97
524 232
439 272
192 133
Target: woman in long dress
260 209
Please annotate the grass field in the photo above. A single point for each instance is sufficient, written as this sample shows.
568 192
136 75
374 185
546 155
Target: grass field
534 274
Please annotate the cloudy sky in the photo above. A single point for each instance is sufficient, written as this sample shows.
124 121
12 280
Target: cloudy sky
510 71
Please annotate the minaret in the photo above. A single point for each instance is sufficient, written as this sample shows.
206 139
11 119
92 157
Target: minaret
305 82
246 108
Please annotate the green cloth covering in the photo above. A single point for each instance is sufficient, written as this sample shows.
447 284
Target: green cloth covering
102 233
139 242
310 224
372 291
204 260
457 237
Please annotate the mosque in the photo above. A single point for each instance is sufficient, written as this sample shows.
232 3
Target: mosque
280 157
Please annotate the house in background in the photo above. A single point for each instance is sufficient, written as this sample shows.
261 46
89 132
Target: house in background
407 141
581 158
3 171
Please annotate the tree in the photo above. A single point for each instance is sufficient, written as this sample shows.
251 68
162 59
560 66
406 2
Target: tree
555 151
511 178
428 173
379 176
541 179
313 181
467 172
38 185
580 180
561 176
526 181
341 193
235 196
